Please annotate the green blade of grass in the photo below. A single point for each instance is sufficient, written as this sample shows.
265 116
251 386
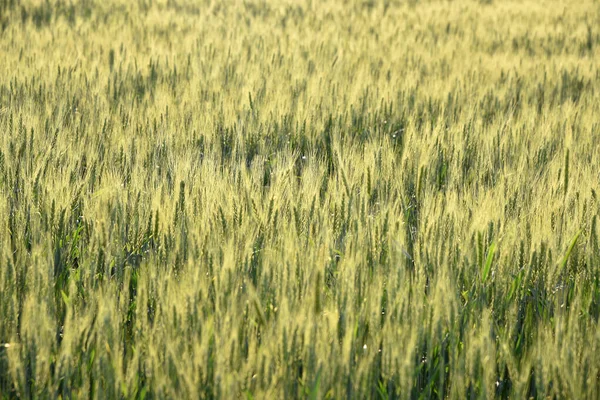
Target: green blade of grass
488 263
565 259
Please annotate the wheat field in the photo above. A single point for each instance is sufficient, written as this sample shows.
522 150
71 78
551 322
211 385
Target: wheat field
279 199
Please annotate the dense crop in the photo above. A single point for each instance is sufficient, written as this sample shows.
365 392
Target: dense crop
289 198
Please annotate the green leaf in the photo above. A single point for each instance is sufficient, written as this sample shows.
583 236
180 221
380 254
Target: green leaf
92 358
516 283
488 263
65 298
563 263
314 392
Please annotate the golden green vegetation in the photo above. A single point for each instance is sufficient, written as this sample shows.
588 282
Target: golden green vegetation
288 199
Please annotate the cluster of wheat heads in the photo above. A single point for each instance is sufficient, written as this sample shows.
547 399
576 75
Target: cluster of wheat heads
290 199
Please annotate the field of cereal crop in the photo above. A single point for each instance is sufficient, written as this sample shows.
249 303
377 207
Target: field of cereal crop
279 199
